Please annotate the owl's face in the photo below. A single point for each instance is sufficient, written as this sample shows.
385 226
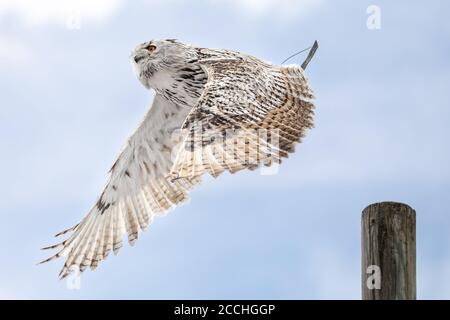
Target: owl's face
156 57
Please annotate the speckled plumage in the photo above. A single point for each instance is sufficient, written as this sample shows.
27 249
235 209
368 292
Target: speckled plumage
218 98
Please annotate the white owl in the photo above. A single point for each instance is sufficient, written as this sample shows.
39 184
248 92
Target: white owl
234 111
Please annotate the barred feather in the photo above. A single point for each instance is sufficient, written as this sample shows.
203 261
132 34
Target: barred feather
236 111
276 103
138 189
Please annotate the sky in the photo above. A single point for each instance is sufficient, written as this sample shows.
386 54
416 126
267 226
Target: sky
70 99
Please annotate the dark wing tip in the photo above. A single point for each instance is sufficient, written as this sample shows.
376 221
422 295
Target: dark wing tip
310 55
66 231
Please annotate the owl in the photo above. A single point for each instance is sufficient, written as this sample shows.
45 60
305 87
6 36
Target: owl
213 111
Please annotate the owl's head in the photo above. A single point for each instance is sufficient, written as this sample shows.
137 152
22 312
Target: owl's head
159 56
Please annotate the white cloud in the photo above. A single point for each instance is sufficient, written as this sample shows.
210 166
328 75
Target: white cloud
73 12
283 8
59 11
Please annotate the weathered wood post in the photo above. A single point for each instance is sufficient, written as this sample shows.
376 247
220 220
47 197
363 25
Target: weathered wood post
388 252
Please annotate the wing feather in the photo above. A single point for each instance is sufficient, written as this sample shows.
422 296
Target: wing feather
137 190
251 113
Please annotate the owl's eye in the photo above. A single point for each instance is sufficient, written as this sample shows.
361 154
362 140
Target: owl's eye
150 47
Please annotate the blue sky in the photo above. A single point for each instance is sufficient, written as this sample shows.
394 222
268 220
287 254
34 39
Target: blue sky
70 99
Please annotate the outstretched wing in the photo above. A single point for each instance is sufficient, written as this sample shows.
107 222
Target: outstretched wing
137 190
250 113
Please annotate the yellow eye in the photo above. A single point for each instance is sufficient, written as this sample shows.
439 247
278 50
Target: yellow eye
151 47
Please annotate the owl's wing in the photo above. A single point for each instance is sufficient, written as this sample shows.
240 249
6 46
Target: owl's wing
251 113
137 190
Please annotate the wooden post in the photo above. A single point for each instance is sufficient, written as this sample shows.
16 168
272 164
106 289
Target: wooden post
388 252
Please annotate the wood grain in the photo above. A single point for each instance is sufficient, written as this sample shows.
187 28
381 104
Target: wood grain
389 242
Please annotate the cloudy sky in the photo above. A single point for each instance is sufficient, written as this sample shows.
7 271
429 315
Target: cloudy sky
69 99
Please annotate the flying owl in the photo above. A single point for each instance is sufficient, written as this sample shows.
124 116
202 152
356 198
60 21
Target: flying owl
214 110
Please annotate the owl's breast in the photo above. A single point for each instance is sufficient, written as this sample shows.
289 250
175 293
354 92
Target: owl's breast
183 87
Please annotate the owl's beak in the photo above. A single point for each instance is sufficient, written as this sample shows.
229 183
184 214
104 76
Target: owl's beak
138 58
